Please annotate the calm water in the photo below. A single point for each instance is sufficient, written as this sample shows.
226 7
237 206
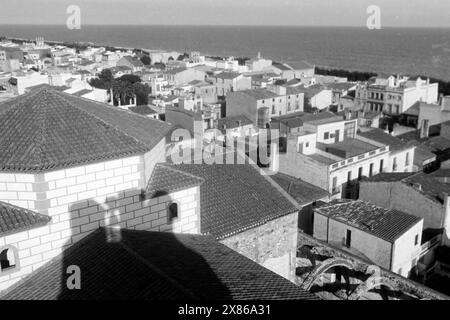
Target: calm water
411 51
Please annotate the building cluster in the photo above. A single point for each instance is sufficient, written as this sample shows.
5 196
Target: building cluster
359 167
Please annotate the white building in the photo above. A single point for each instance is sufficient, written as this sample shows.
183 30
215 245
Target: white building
388 238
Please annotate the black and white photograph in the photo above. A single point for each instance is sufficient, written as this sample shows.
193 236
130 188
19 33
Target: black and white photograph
219 158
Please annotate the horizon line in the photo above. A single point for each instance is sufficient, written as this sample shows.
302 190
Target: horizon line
227 25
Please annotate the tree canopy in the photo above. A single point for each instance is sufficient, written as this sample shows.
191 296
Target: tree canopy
124 88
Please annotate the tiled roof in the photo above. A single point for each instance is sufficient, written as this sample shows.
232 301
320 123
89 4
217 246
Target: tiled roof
341 86
422 154
303 192
429 185
134 62
228 75
300 65
15 219
233 122
321 118
155 266
234 198
281 66
309 92
386 224
394 143
414 110
387 177
176 70
47 130
258 94
166 179
144 110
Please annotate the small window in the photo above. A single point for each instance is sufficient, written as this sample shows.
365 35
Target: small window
8 259
172 212
326 135
360 172
348 239
307 144
416 240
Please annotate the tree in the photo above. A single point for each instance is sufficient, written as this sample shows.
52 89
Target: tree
124 88
146 60
183 56
131 78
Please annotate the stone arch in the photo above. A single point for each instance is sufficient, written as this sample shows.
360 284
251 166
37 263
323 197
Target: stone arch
324 266
371 283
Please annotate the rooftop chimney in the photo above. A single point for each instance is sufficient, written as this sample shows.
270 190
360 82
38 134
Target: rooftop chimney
424 129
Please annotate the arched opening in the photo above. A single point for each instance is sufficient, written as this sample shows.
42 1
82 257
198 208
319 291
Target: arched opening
334 265
172 212
8 259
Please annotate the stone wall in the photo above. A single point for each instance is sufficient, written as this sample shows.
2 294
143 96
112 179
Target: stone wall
126 209
272 245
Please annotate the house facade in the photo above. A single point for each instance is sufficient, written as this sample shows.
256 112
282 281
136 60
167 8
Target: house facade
366 230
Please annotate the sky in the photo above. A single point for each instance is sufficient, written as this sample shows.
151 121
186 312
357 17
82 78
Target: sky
394 13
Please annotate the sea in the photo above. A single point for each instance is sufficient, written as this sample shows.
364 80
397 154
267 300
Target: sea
411 51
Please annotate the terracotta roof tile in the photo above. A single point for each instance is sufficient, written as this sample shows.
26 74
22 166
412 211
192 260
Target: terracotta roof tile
47 129
382 223
15 219
155 266
235 198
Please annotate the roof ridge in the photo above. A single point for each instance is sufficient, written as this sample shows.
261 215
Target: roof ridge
170 167
58 94
7 204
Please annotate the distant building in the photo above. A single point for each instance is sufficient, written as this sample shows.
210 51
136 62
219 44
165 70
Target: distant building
386 237
258 64
420 194
326 151
226 82
134 64
395 95
259 105
180 76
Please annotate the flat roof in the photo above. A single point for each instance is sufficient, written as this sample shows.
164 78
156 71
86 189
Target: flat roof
350 146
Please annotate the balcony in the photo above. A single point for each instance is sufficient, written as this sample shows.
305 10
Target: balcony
429 245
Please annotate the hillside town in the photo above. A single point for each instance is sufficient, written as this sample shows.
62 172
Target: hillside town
347 198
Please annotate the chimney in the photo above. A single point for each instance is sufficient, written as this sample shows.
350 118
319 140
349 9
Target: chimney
446 220
274 157
441 100
239 123
112 96
424 129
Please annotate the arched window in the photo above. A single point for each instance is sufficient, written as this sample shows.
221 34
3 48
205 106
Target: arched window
8 259
172 212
